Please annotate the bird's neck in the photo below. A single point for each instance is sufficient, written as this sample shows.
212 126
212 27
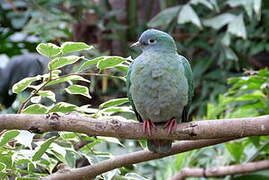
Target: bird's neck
160 51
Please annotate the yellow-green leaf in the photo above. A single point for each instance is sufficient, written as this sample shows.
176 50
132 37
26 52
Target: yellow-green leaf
113 102
110 61
48 94
62 61
24 83
68 78
36 109
78 89
48 49
69 47
63 107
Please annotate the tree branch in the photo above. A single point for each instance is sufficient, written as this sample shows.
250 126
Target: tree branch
91 171
221 170
206 129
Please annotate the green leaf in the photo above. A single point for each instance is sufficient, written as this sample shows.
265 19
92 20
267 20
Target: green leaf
164 17
237 27
63 107
69 47
110 139
70 158
24 83
78 89
236 149
206 3
48 49
187 14
90 62
36 109
113 102
2 166
116 109
7 136
26 178
43 148
219 21
62 61
110 61
48 94
67 78
122 67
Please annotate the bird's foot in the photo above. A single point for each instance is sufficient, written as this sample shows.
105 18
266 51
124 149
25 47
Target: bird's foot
148 126
171 125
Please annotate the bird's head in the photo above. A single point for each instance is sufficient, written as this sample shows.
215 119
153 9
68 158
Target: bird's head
155 40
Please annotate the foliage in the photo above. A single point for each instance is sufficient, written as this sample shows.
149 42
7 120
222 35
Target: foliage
218 37
21 156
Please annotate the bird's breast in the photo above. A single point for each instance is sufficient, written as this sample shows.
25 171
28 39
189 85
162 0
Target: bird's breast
158 86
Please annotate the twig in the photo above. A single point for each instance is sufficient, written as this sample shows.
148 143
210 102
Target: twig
91 171
22 106
221 170
90 74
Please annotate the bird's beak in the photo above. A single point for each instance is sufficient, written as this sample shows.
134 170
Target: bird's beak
136 44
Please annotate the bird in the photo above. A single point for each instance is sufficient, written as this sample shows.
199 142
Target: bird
159 86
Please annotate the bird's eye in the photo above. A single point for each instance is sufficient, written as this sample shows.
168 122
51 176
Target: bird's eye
151 41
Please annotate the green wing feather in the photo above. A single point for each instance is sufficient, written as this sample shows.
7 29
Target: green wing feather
189 76
128 83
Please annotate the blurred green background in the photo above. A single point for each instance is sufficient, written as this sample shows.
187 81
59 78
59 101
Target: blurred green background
225 41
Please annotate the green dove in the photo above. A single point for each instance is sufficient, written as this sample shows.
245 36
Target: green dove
159 86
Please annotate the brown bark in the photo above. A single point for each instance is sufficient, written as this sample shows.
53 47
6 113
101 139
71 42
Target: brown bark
89 172
206 129
221 170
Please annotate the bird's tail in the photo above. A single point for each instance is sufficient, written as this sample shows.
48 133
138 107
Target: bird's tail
159 146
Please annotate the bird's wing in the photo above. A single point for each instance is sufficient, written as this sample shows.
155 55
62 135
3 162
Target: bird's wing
189 76
128 82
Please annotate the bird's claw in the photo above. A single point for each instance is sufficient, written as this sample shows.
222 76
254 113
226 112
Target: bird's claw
148 126
171 125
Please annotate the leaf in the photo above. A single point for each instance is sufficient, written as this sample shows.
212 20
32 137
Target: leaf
78 89
164 17
110 61
206 3
236 149
257 4
71 158
90 62
229 53
26 178
48 49
36 109
23 84
219 21
113 102
122 67
69 47
110 139
237 27
7 136
25 138
48 94
116 109
63 107
187 14
62 61
67 78
43 148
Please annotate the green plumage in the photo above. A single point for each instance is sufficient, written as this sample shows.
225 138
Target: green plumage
159 84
